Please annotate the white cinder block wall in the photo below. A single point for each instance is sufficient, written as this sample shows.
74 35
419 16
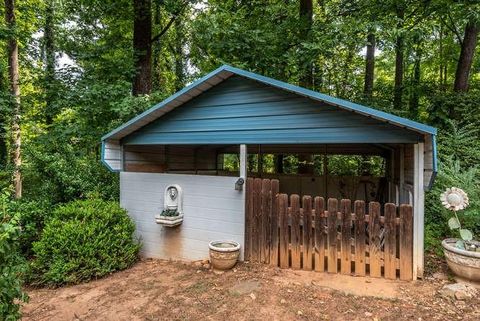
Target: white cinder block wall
213 210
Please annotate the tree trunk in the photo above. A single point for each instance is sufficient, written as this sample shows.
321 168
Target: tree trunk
3 121
15 92
415 93
347 71
306 20
440 53
179 55
50 62
399 48
369 65
465 60
142 47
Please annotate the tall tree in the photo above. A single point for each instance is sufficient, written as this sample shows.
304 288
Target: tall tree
399 56
12 52
49 61
179 54
369 65
468 45
142 47
3 122
416 81
306 20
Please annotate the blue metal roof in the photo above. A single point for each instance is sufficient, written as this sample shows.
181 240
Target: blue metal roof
218 75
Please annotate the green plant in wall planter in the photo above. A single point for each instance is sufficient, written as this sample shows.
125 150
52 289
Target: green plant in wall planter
170 213
169 218
463 255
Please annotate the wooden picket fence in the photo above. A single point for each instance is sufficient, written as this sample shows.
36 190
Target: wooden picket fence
311 235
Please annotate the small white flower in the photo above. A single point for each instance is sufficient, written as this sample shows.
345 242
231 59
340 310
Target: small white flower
454 199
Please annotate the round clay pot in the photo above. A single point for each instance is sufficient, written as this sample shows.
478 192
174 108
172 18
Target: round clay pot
224 254
464 264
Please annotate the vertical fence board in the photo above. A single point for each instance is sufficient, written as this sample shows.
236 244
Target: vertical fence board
248 219
319 234
346 245
257 201
406 242
360 238
307 233
374 239
274 220
332 235
264 220
295 230
390 247
283 235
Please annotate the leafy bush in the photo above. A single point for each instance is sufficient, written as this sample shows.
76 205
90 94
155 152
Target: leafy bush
31 220
59 173
451 174
84 240
12 264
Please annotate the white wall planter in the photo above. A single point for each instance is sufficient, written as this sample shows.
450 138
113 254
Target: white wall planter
169 221
172 204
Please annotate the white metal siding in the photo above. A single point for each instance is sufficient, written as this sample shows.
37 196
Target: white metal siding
213 210
113 155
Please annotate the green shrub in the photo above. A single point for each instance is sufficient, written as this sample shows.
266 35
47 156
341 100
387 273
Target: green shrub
32 216
12 264
84 240
451 174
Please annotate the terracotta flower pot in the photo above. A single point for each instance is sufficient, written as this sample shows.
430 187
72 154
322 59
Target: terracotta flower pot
224 254
464 264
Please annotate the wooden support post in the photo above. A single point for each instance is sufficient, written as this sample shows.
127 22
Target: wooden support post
418 210
402 192
122 158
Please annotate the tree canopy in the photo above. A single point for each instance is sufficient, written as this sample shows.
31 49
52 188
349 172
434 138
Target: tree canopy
86 66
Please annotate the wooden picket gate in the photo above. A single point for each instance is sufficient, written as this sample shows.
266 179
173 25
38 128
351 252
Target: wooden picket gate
332 238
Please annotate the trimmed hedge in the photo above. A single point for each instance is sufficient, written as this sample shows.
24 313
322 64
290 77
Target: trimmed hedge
84 240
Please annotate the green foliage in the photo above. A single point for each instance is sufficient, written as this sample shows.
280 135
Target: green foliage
62 173
451 174
12 264
84 240
445 107
31 220
169 212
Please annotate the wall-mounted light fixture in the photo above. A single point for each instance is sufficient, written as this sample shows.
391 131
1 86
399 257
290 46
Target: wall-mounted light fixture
239 183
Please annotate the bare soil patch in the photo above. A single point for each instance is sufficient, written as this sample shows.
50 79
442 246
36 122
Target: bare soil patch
165 290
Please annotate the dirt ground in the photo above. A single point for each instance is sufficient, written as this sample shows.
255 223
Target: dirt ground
165 290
